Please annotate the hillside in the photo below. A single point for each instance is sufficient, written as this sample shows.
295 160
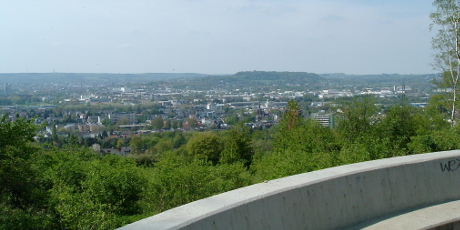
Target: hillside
256 79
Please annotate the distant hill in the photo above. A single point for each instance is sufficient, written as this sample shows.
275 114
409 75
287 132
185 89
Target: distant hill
258 78
85 77
262 80
285 77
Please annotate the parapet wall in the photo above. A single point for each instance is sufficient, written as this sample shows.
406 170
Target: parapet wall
325 199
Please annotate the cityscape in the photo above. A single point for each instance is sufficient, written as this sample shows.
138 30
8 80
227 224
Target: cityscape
126 105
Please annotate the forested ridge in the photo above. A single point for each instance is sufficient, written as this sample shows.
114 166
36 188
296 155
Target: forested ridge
44 186
255 79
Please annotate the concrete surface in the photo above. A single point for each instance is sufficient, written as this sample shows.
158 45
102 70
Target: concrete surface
432 217
326 199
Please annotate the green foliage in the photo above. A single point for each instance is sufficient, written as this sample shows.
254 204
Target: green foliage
123 121
179 139
237 143
16 218
54 135
446 139
120 143
178 181
163 146
293 133
276 165
262 142
356 117
89 191
287 127
106 122
447 57
16 152
192 123
447 97
157 122
399 125
299 146
136 144
5 101
423 144
206 146
232 119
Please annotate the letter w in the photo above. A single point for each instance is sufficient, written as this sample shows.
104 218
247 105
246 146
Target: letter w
445 167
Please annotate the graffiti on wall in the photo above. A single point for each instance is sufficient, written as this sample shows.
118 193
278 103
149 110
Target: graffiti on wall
450 166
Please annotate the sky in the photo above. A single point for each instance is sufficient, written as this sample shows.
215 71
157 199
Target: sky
216 36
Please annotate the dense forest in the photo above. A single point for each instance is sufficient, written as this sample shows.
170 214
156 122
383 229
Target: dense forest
67 186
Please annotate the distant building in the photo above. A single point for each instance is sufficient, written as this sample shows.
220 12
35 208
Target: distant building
419 105
126 89
70 127
83 128
92 119
116 117
214 107
211 106
325 120
319 104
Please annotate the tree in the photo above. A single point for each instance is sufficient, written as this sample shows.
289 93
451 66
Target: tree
15 151
104 134
192 122
174 125
205 146
123 121
237 142
178 181
157 122
447 45
287 126
293 116
232 119
54 135
179 139
168 124
136 144
106 122
356 117
398 126
120 143
17 100
89 191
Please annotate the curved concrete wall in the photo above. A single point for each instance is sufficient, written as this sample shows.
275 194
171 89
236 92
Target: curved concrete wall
325 199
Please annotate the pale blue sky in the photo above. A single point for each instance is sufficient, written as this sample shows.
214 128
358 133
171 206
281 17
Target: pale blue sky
215 36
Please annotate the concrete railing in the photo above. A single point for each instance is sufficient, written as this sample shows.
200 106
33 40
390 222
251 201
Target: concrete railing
326 199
